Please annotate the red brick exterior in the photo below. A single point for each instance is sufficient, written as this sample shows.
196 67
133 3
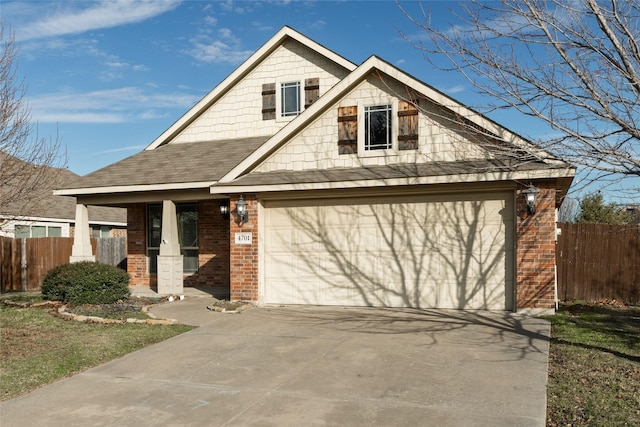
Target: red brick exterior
230 270
213 256
244 258
536 249
213 241
137 246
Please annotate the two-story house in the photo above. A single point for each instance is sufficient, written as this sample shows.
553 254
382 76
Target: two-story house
304 178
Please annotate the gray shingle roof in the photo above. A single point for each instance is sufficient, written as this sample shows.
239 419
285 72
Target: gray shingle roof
388 172
41 202
173 163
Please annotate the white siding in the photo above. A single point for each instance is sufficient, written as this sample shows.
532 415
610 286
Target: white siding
238 114
316 146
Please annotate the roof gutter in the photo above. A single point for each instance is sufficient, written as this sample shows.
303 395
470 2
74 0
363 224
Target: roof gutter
404 181
133 188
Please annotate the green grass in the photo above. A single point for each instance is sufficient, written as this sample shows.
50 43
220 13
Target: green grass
594 366
37 348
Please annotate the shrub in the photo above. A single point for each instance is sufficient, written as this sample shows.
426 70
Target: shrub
86 283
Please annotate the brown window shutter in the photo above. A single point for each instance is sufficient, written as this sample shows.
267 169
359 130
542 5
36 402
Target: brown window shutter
311 91
407 125
348 130
269 101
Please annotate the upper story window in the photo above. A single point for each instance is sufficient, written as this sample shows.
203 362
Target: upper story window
377 128
389 126
290 99
286 99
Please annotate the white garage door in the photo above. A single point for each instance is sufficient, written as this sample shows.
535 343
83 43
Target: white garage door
452 251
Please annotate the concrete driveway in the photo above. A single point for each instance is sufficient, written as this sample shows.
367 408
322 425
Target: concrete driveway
311 366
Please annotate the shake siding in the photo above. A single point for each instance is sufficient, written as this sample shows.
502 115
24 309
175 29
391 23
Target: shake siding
238 114
316 147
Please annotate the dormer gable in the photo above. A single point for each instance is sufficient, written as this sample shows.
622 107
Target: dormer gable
422 125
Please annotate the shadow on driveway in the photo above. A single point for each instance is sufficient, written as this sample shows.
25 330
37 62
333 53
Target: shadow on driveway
294 366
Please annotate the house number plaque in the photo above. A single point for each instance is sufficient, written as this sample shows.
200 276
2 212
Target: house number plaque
243 238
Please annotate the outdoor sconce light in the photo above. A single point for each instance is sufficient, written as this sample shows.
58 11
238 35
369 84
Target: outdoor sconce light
241 210
224 209
530 195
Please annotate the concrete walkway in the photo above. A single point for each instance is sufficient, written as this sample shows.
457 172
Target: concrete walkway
311 366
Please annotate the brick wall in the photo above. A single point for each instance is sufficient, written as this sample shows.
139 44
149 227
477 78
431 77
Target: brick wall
244 258
536 250
118 232
137 245
213 258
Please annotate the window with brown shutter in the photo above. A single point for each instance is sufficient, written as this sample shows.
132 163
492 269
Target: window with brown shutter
407 125
268 101
348 130
311 91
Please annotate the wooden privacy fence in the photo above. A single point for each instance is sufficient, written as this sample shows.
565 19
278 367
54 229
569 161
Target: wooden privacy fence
25 262
599 262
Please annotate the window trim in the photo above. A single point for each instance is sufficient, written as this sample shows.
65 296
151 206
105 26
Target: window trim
156 249
362 106
280 117
63 227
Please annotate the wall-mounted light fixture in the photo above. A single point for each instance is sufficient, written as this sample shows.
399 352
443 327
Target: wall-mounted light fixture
530 195
224 209
241 210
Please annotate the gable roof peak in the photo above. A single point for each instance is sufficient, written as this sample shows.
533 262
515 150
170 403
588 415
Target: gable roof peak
249 64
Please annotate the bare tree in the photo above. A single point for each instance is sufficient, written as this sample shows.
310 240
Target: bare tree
573 64
27 162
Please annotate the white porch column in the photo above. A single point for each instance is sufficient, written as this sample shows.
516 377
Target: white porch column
81 249
170 280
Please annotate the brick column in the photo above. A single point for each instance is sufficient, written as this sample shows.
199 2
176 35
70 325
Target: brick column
243 271
536 250
137 245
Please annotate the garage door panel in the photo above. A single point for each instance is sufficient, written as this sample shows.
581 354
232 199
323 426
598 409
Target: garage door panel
424 251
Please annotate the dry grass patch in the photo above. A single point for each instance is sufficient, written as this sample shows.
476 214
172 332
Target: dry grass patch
594 366
38 348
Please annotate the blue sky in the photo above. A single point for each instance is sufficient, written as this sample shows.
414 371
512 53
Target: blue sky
108 77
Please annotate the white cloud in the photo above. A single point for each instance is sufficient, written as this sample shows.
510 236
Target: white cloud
116 64
121 105
210 20
118 150
455 89
71 19
318 25
224 49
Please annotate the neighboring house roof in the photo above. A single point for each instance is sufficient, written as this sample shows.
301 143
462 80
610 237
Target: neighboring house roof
220 164
43 204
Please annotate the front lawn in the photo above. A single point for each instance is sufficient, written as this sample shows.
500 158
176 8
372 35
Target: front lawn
37 348
594 366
